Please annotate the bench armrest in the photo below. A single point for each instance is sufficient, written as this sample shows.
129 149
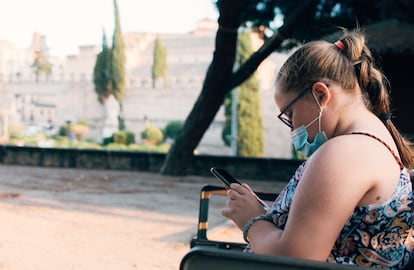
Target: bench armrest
206 193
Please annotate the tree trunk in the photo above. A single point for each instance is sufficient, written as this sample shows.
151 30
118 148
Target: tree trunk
219 80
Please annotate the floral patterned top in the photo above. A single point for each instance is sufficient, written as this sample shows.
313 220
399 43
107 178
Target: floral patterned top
377 235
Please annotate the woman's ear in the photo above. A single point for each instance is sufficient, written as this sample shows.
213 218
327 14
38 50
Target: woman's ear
322 93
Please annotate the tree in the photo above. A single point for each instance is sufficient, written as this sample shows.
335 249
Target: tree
118 65
219 78
249 121
212 93
306 18
109 79
101 71
118 58
159 67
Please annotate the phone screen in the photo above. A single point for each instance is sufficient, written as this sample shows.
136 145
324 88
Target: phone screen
224 176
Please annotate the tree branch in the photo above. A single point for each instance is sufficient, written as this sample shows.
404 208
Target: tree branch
251 65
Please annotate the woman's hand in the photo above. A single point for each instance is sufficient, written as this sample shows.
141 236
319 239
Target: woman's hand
241 204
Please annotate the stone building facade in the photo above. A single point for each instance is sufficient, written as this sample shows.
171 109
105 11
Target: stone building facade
67 94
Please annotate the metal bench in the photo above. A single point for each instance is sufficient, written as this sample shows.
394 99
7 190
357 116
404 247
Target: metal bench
205 257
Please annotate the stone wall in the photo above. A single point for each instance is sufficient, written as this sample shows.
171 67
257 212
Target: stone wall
242 168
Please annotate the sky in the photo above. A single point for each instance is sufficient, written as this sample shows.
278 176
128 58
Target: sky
67 24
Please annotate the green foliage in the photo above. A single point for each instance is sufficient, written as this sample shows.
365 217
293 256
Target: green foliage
123 137
320 20
109 71
152 135
64 142
102 71
118 58
249 121
173 128
249 126
107 140
159 67
63 130
161 148
116 146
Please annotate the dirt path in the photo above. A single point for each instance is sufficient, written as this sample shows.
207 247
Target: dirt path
88 219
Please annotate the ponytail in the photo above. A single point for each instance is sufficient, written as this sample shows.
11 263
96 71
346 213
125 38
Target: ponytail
375 88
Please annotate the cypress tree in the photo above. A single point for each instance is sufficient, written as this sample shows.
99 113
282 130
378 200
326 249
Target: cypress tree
159 67
118 64
249 125
101 71
118 58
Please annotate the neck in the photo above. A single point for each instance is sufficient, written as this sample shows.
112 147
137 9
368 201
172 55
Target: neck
353 118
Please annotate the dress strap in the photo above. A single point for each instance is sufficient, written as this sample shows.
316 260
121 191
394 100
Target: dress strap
384 143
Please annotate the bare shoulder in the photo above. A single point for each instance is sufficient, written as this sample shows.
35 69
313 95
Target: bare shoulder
356 150
350 154
350 166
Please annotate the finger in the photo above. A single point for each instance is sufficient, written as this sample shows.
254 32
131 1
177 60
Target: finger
231 194
248 187
241 189
226 212
236 187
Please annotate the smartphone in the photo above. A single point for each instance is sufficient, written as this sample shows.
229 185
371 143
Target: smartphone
227 180
224 176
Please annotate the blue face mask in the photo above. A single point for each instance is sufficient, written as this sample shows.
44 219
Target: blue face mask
300 137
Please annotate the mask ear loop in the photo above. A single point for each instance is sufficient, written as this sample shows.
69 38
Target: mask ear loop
320 118
320 112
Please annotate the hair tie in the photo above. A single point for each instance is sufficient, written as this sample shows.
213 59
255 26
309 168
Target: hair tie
340 45
385 116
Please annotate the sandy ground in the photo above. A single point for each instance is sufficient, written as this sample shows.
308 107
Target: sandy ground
96 219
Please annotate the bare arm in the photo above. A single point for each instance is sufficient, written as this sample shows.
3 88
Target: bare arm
334 182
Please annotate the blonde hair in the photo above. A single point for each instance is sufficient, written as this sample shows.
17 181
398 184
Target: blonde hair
350 65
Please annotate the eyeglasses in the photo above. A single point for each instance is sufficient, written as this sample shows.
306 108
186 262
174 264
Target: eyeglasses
282 115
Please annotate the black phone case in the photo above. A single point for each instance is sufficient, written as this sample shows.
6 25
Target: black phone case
223 176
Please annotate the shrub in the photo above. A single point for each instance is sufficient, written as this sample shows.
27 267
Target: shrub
173 128
63 130
123 137
152 135
107 140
